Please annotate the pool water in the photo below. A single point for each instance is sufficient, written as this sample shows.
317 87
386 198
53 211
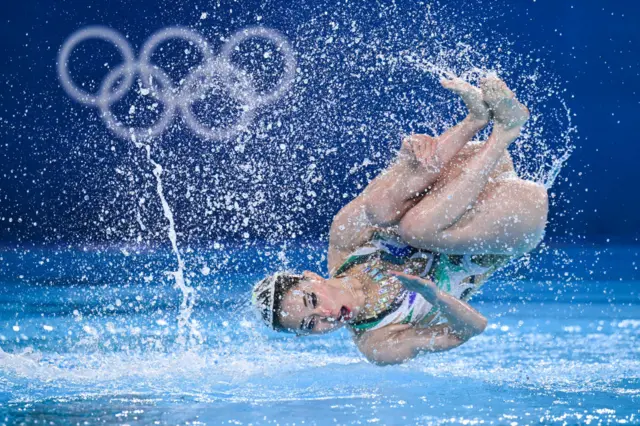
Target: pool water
89 336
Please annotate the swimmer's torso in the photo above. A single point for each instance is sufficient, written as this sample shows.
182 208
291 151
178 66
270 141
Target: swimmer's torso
387 302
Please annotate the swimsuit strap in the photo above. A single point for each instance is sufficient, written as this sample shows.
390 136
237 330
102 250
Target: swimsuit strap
381 245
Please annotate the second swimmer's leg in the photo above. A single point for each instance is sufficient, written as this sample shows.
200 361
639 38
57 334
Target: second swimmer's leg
421 160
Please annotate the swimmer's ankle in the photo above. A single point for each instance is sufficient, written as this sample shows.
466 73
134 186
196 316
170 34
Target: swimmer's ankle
509 132
477 123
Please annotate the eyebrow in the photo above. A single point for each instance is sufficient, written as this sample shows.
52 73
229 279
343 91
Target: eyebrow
304 300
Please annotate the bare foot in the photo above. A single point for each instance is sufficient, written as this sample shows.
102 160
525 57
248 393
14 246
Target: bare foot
507 110
472 97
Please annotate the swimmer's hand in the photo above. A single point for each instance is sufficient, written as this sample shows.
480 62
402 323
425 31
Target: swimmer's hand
419 285
421 150
464 321
397 343
472 97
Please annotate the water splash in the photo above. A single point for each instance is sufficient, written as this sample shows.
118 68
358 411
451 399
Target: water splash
365 78
185 323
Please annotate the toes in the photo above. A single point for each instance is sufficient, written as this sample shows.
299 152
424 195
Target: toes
494 85
446 83
449 84
457 85
494 90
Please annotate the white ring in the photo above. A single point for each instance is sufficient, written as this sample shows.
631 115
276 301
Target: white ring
241 90
167 34
103 33
131 132
282 45
239 86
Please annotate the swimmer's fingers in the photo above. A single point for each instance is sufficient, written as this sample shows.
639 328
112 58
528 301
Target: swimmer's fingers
406 148
408 278
414 283
424 148
419 148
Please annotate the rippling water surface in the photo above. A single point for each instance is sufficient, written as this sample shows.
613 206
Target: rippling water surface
90 337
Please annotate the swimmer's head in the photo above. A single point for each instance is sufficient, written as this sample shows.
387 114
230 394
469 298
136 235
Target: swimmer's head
302 304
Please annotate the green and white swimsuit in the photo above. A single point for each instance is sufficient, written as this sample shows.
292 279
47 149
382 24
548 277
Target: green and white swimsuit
455 274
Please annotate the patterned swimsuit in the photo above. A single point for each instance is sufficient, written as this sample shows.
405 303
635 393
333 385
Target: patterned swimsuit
458 275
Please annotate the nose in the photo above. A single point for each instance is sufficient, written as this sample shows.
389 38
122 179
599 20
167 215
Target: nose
324 311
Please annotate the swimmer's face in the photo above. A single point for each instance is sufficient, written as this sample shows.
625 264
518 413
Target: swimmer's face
315 306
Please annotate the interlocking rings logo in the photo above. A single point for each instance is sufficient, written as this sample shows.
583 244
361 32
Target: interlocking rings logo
158 84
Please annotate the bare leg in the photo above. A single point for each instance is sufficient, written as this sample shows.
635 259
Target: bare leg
508 218
467 216
421 160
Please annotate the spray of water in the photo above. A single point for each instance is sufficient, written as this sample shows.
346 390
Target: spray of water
364 78
186 325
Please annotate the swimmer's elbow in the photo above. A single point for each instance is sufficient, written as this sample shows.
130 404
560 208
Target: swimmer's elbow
472 330
382 359
383 355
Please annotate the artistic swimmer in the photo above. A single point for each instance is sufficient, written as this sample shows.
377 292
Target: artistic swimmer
407 253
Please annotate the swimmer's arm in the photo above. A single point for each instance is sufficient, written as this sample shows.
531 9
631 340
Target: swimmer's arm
464 321
396 344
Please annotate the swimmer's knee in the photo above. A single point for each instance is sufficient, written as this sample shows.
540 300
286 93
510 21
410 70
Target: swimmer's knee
382 214
538 207
414 230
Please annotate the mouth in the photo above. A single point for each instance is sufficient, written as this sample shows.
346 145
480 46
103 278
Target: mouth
345 314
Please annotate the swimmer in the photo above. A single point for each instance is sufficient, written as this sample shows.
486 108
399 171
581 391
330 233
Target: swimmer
407 253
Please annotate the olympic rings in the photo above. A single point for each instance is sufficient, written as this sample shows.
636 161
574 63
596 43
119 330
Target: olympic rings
195 86
278 40
110 120
240 90
166 34
106 34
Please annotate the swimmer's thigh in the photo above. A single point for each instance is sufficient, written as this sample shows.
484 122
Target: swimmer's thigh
509 217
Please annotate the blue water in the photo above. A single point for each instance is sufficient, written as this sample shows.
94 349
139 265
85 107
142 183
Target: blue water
89 337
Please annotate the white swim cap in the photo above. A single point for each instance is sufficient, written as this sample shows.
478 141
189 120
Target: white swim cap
268 293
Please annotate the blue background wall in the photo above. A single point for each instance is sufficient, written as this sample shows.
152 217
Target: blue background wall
593 46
